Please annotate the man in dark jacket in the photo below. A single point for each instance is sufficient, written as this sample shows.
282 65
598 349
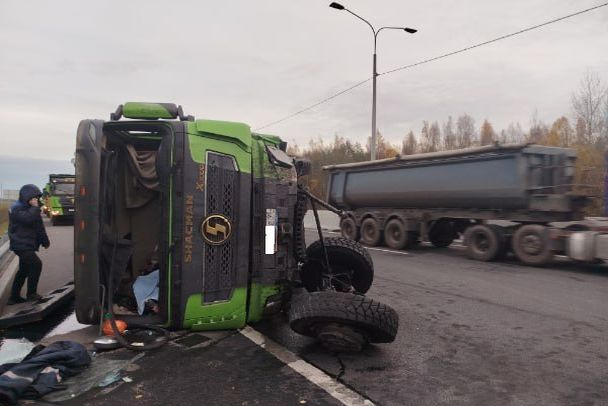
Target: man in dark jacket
26 233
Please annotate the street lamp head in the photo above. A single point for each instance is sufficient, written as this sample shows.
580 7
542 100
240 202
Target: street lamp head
337 6
410 30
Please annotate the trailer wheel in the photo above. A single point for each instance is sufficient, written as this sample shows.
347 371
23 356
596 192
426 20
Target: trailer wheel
343 321
370 232
351 266
396 236
442 234
531 244
349 229
484 242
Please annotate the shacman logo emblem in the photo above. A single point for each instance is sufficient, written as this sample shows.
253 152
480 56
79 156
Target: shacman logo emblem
216 229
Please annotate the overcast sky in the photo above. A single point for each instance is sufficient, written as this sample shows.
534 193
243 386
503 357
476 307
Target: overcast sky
258 61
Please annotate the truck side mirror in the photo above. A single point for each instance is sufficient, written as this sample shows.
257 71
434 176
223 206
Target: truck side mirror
279 158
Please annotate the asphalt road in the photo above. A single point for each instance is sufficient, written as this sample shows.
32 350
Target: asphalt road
58 260
57 270
474 333
471 333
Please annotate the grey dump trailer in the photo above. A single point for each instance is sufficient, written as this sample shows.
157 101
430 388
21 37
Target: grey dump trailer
438 196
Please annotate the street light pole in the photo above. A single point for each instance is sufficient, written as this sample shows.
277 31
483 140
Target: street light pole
338 6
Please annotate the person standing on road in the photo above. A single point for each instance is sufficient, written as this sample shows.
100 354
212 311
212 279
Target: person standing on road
26 233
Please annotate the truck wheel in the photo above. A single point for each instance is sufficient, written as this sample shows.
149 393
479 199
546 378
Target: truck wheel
531 244
484 242
396 236
442 234
343 321
349 228
351 266
370 232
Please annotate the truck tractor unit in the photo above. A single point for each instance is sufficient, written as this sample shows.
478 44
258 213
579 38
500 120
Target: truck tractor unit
58 198
215 211
437 197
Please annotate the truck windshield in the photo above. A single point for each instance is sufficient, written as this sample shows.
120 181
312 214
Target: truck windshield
64 189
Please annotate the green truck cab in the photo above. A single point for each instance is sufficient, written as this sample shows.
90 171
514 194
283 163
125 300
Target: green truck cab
217 210
58 198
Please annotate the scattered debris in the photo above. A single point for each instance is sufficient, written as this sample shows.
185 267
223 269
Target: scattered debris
14 350
109 379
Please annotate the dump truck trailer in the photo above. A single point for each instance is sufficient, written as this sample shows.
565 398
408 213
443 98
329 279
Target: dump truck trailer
437 197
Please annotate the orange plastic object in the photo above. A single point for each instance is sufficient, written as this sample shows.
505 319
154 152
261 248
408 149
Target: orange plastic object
106 328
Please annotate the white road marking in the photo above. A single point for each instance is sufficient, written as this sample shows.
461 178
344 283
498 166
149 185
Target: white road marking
385 250
330 385
456 243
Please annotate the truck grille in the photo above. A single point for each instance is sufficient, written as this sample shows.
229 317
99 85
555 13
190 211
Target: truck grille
219 273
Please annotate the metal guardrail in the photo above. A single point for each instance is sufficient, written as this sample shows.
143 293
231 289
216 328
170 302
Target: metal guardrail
4 203
3 246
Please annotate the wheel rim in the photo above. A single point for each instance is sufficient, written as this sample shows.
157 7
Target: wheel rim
348 229
481 242
394 233
369 232
532 244
339 337
341 278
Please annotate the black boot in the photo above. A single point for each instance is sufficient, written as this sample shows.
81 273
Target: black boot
15 300
33 296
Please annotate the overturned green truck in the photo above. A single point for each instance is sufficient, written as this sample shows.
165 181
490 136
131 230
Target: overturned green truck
217 210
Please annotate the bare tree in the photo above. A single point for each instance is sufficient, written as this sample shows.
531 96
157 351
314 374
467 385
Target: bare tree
503 138
486 134
430 137
561 133
465 131
515 133
384 149
588 103
449 136
538 129
409 145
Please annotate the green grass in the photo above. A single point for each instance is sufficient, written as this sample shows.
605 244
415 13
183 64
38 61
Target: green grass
4 204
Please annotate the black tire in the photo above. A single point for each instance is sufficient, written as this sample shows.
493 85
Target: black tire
370 232
484 242
531 244
377 322
349 229
397 237
350 263
442 233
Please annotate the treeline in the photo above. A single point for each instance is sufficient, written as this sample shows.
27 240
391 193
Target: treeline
587 133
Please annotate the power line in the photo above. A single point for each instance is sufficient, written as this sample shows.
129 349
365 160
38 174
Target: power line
492 40
333 96
312 106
